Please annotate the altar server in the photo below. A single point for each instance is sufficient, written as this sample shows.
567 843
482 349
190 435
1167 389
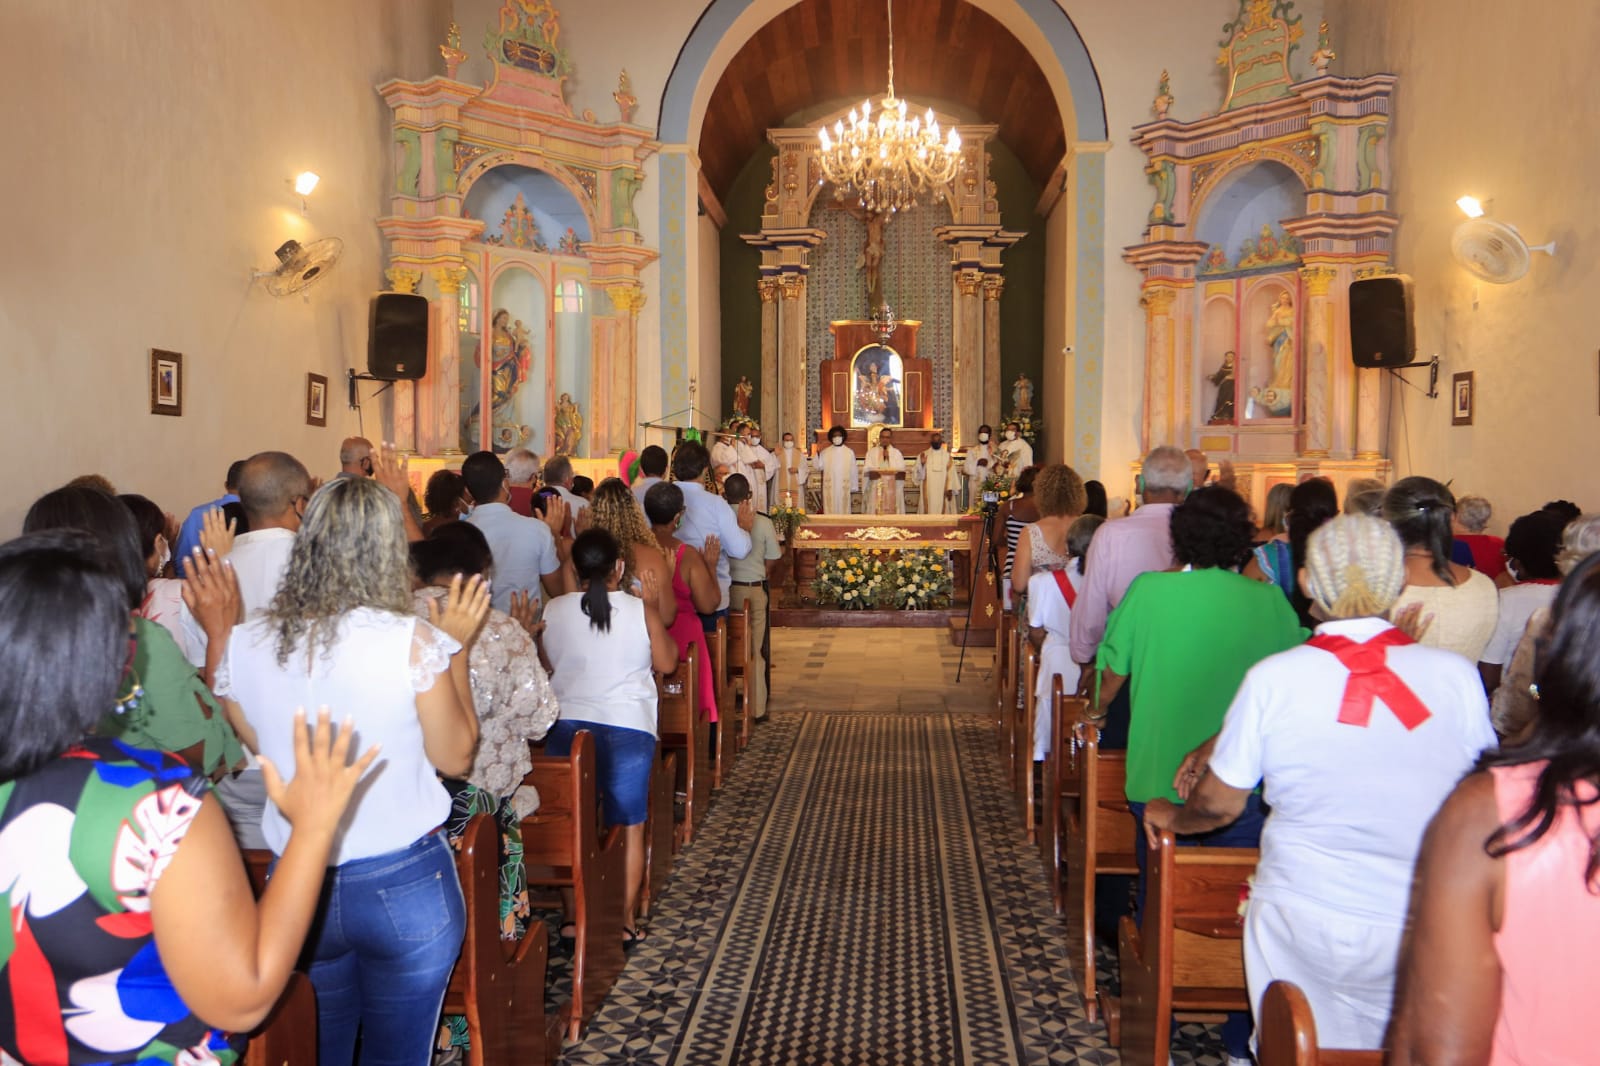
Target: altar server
886 477
789 480
937 474
724 455
839 476
1015 452
978 465
756 463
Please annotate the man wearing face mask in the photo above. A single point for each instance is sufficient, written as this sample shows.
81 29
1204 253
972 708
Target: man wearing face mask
789 486
936 473
839 475
886 477
756 463
725 454
978 465
1014 451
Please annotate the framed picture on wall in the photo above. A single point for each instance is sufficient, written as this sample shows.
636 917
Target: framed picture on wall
316 400
166 382
1461 399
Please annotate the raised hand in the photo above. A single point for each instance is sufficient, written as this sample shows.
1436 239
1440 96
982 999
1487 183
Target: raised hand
526 613
1411 621
746 515
217 532
650 588
393 471
582 520
324 778
555 515
211 591
465 607
711 550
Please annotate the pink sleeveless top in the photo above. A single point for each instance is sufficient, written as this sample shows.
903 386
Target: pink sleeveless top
687 631
1549 936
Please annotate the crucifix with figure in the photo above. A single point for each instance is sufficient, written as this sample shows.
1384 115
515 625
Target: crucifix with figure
871 258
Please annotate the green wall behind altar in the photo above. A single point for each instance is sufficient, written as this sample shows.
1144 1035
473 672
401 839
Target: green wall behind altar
1021 303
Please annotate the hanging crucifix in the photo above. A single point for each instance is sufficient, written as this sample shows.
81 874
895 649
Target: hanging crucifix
870 261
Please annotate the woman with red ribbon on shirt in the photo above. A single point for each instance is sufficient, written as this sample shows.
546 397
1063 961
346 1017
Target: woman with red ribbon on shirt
1356 736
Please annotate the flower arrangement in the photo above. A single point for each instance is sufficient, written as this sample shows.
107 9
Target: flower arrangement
786 520
922 579
850 578
1000 482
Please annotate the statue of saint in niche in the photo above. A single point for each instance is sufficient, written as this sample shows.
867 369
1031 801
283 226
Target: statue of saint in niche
1222 410
1276 397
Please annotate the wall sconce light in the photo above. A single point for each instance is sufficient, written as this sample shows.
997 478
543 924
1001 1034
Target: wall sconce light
303 184
1470 206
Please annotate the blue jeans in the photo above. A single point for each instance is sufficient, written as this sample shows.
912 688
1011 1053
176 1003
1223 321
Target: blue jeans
385 939
1245 832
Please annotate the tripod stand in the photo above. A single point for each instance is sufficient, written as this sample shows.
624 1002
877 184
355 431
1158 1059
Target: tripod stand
986 554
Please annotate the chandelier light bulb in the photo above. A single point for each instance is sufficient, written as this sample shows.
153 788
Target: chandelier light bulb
305 182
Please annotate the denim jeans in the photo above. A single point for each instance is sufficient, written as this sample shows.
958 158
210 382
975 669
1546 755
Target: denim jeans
1244 832
385 939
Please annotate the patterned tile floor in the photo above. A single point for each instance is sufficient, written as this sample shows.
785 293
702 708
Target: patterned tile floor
861 893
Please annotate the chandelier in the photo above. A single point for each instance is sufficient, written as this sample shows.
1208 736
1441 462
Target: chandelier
887 161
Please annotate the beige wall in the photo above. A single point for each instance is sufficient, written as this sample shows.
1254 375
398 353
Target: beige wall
709 365
1500 108
148 153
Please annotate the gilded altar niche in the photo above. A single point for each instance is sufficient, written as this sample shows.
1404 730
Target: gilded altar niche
515 217
1263 215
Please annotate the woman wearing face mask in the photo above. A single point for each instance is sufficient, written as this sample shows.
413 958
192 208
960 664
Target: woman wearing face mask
1014 451
839 474
603 644
163 600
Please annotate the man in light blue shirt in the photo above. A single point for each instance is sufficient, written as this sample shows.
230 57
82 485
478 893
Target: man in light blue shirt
528 552
189 532
708 515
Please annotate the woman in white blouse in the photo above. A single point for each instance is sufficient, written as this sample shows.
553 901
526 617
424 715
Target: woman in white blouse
1454 608
603 644
341 634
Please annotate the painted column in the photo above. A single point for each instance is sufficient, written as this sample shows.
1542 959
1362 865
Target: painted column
627 300
1318 360
1369 397
440 430
791 368
993 384
769 403
1087 256
404 279
1160 349
967 369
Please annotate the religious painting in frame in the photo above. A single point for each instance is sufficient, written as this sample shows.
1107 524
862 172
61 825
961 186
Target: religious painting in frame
1461 399
316 400
166 382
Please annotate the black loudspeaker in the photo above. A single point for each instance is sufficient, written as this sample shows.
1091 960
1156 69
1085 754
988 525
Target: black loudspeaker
1381 331
397 339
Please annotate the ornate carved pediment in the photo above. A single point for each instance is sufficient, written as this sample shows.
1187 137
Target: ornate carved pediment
1256 52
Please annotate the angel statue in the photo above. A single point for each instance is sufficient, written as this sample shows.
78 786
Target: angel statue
569 426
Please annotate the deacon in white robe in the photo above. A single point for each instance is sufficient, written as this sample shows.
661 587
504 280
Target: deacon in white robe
788 488
757 464
839 475
978 465
886 478
937 474
1015 452
724 456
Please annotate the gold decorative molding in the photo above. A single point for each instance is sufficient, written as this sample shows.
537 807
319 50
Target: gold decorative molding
1158 301
806 534
956 534
881 533
768 287
794 286
449 279
1317 279
993 286
626 298
967 281
403 279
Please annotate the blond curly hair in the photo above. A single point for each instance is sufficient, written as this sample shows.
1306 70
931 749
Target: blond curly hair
1058 490
350 552
1355 566
615 510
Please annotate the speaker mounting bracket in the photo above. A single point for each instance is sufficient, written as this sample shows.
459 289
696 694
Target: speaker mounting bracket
355 396
1433 375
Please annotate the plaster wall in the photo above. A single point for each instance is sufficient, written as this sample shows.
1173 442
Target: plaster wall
1486 106
151 159
708 358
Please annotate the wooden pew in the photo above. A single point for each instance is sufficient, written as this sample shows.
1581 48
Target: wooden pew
1007 696
1099 840
498 984
1060 772
1023 744
1002 665
562 849
740 668
289 1035
660 829
1287 1033
724 746
681 730
1187 954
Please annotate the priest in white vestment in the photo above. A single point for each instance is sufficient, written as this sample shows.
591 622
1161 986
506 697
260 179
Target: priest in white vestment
724 455
886 477
979 464
839 476
1014 451
756 463
790 475
937 474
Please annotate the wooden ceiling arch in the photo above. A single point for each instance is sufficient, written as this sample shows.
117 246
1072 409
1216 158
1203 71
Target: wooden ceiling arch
822 51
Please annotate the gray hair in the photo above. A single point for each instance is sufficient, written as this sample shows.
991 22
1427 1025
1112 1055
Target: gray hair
353 450
1167 469
1580 540
522 466
269 483
1079 534
1355 566
1473 512
557 470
